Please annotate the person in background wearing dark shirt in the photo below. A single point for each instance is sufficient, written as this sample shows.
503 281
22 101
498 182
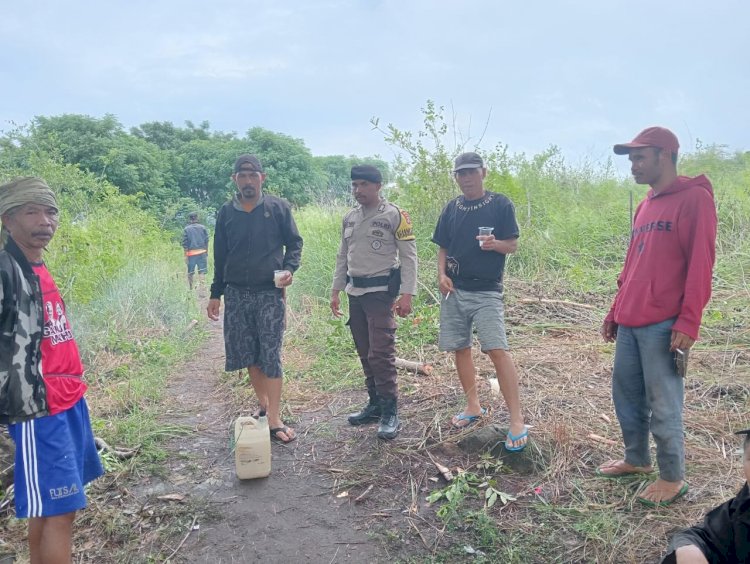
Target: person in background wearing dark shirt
470 277
724 535
664 285
195 243
257 248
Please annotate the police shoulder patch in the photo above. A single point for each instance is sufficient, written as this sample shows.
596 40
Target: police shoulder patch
405 230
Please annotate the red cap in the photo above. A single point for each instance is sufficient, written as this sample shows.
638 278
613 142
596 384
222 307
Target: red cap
659 137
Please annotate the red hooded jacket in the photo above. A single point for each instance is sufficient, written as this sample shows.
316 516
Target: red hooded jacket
667 271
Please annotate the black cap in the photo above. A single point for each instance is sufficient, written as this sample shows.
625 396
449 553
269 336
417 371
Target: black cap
247 160
745 432
468 160
367 172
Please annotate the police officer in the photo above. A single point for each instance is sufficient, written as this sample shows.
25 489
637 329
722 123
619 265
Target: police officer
377 259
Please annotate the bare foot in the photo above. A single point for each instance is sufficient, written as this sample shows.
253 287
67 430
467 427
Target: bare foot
616 468
662 492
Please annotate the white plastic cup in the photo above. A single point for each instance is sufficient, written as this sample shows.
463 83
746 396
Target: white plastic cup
277 276
484 231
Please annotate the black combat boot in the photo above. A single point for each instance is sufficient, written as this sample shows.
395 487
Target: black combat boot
389 423
369 414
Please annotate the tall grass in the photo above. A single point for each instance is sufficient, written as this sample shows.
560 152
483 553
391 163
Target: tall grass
574 221
123 280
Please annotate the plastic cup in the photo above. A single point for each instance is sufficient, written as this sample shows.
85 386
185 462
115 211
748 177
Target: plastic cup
484 231
277 276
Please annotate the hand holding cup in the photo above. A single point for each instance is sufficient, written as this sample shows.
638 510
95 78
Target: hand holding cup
485 233
282 278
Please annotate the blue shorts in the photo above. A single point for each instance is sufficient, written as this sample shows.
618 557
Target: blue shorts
481 309
55 457
198 261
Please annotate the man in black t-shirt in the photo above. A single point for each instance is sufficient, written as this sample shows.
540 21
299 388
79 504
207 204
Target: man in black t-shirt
475 231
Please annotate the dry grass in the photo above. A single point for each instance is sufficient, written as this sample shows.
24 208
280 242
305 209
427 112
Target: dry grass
564 371
563 513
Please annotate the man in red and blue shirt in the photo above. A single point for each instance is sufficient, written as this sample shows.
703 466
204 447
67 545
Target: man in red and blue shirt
656 314
41 375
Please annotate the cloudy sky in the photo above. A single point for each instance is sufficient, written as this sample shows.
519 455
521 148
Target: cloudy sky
580 74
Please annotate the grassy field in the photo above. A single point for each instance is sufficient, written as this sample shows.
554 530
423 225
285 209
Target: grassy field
122 278
575 226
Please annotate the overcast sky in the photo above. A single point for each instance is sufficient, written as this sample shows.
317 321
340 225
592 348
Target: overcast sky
582 75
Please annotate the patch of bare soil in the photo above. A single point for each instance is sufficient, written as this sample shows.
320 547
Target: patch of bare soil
291 516
340 494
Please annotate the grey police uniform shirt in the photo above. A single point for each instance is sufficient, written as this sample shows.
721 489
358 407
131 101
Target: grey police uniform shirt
372 243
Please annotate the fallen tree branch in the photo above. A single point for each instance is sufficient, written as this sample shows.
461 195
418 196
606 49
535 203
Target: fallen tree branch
363 495
604 440
179 546
119 453
413 366
554 302
444 471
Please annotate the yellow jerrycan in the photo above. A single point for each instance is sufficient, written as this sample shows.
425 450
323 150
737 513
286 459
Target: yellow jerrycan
252 447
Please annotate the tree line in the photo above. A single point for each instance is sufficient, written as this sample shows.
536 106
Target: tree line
171 169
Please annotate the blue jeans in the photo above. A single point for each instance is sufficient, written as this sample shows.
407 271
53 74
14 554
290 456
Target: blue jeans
648 395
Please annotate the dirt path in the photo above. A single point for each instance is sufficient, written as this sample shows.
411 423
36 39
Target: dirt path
288 517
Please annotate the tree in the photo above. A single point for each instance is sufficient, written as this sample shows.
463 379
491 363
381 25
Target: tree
292 171
102 147
337 169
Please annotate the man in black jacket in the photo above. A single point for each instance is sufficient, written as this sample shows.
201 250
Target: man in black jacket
257 249
724 535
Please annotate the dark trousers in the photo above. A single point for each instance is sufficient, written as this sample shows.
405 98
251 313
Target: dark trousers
374 331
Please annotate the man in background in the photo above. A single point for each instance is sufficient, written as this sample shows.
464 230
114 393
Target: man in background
377 261
656 314
45 411
195 243
257 248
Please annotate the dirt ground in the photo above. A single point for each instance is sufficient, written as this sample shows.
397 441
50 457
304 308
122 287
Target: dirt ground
291 516
338 494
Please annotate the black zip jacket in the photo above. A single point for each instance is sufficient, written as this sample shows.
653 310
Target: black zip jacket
249 246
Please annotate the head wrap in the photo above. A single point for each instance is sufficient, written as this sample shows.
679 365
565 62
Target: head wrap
26 190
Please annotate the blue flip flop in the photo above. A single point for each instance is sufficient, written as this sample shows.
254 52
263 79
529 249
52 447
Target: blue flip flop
470 419
511 438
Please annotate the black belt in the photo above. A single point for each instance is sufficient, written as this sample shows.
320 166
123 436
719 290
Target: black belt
362 282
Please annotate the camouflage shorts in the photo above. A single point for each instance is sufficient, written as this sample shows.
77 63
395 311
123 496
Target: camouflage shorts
254 330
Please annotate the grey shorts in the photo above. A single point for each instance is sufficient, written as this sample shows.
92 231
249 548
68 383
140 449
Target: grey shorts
254 330
463 310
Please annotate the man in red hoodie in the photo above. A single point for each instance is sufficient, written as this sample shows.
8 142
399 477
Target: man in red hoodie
662 290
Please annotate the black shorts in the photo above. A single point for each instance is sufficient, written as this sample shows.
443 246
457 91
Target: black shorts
254 330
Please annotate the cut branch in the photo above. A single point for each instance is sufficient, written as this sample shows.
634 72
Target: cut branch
119 453
554 302
413 366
